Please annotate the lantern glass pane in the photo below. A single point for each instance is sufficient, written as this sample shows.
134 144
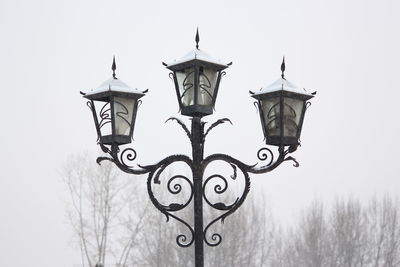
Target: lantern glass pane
123 111
207 82
293 109
103 117
185 79
271 111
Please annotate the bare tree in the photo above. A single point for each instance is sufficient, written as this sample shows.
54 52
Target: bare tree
348 234
384 232
100 206
306 244
311 243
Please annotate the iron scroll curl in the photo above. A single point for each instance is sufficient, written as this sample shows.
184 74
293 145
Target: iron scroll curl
174 188
221 186
128 155
265 153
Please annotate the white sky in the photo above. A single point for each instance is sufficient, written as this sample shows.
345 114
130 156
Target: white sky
348 51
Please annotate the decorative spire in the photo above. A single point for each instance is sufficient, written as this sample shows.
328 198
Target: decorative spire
197 38
114 67
283 68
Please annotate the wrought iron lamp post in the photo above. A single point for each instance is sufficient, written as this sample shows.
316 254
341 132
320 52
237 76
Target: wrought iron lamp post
197 77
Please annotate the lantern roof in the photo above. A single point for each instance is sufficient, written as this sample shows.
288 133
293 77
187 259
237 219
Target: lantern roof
113 85
197 54
282 85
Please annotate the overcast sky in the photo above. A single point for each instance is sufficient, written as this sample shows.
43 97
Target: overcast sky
348 51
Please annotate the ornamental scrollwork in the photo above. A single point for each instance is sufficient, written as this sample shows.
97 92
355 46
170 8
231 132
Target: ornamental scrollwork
215 186
218 185
174 187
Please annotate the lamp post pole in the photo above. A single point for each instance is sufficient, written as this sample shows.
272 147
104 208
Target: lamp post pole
196 78
197 156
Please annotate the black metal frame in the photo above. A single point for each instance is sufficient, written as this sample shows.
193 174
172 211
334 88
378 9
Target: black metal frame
108 98
198 234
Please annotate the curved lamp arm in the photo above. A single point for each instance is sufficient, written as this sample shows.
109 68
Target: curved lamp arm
263 154
117 158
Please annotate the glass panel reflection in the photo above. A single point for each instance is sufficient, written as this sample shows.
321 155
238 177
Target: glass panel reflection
271 110
207 81
292 112
123 110
185 80
104 117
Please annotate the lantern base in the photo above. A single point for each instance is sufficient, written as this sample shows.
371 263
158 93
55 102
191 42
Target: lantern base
197 111
278 141
116 139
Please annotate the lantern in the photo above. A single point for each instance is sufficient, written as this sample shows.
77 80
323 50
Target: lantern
196 77
114 105
282 107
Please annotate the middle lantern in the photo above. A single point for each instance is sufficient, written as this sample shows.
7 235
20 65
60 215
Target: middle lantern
196 77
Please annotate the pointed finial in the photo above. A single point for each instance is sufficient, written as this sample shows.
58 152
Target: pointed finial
114 67
283 68
197 38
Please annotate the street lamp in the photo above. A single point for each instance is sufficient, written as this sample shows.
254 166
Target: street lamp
282 107
197 77
115 120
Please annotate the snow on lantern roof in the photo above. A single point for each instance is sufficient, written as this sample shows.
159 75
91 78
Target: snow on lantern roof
112 85
115 85
282 85
197 54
